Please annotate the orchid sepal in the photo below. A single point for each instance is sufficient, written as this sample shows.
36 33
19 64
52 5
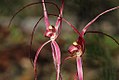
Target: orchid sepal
79 68
36 57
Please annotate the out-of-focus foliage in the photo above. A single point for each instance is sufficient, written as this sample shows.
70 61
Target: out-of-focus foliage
7 6
86 9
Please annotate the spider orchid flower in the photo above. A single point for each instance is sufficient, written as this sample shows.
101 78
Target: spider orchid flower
24 7
51 32
78 47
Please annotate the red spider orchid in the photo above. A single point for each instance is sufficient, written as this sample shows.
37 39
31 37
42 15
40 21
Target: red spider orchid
76 50
28 5
78 47
52 32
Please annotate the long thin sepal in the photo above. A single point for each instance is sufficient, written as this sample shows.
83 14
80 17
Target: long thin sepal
59 19
71 26
36 57
53 54
79 68
58 58
62 7
54 58
91 22
47 23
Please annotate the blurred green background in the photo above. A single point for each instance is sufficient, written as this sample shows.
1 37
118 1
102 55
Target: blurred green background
101 58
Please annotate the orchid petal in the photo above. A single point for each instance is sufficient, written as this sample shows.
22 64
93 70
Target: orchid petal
79 68
71 26
57 50
62 7
53 54
36 57
54 58
58 22
47 23
58 57
59 19
92 21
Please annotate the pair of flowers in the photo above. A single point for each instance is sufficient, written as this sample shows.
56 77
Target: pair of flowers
76 50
